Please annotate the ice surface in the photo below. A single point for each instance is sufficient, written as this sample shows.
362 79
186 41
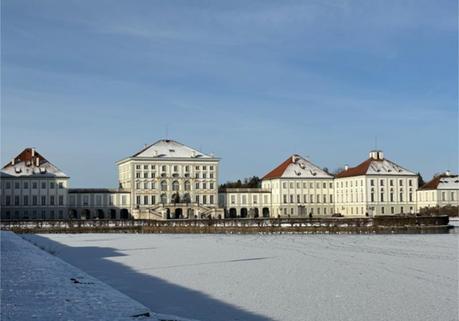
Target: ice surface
275 277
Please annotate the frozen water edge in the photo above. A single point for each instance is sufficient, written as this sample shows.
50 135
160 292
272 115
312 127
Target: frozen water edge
38 286
275 277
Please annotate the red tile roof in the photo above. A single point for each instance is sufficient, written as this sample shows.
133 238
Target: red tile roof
434 182
279 170
25 156
360 169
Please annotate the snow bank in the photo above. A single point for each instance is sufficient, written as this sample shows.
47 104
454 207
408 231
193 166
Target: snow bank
275 277
38 286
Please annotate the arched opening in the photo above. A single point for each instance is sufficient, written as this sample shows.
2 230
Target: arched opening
256 213
100 214
86 215
175 198
187 186
186 198
113 214
73 214
232 213
190 213
175 185
124 214
164 186
168 214
178 213
265 212
163 199
244 212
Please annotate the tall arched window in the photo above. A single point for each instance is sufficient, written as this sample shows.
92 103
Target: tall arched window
163 199
175 185
187 186
164 186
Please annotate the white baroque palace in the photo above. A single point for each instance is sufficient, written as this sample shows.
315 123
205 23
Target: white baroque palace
442 190
169 180
376 186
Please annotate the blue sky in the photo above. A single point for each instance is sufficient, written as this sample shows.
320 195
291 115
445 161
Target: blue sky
91 82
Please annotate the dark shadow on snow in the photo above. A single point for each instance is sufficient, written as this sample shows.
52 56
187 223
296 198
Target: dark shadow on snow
155 293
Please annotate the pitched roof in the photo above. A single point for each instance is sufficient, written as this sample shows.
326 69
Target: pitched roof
442 181
297 167
373 166
167 148
31 163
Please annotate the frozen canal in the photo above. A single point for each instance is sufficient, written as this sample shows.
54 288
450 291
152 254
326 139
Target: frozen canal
274 277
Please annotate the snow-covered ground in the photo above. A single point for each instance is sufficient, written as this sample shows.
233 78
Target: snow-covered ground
275 277
36 285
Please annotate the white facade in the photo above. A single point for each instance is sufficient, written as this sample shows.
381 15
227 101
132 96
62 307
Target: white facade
299 189
442 190
246 202
170 180
99 203
375 187
33 188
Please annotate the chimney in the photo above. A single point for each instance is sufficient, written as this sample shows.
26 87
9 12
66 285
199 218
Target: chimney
13 161
447 172
376 154
37 161
33 152
346 167
294 158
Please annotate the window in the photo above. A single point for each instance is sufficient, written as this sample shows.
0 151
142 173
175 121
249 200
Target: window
137 200
61 200
291 198
204 185
26 185
26 200
311 198
372 197
411 197
51 200
318 198
211 186
187 186
392 210
382 197
8 200
137 175
298 199
43 200
145 174
51 185
410 182
197 199
381 182
285 199
34 185
443 196
16 185
331 198
153 199
16 200
163 199
197 185
401 197
211 199
175 168
324 185
163 186
372 182
382 210
145 199
8 185
401 182
145 185
137 166
123 200
452 196
187 168
401 209
391 196
391 183
233 199
61 185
